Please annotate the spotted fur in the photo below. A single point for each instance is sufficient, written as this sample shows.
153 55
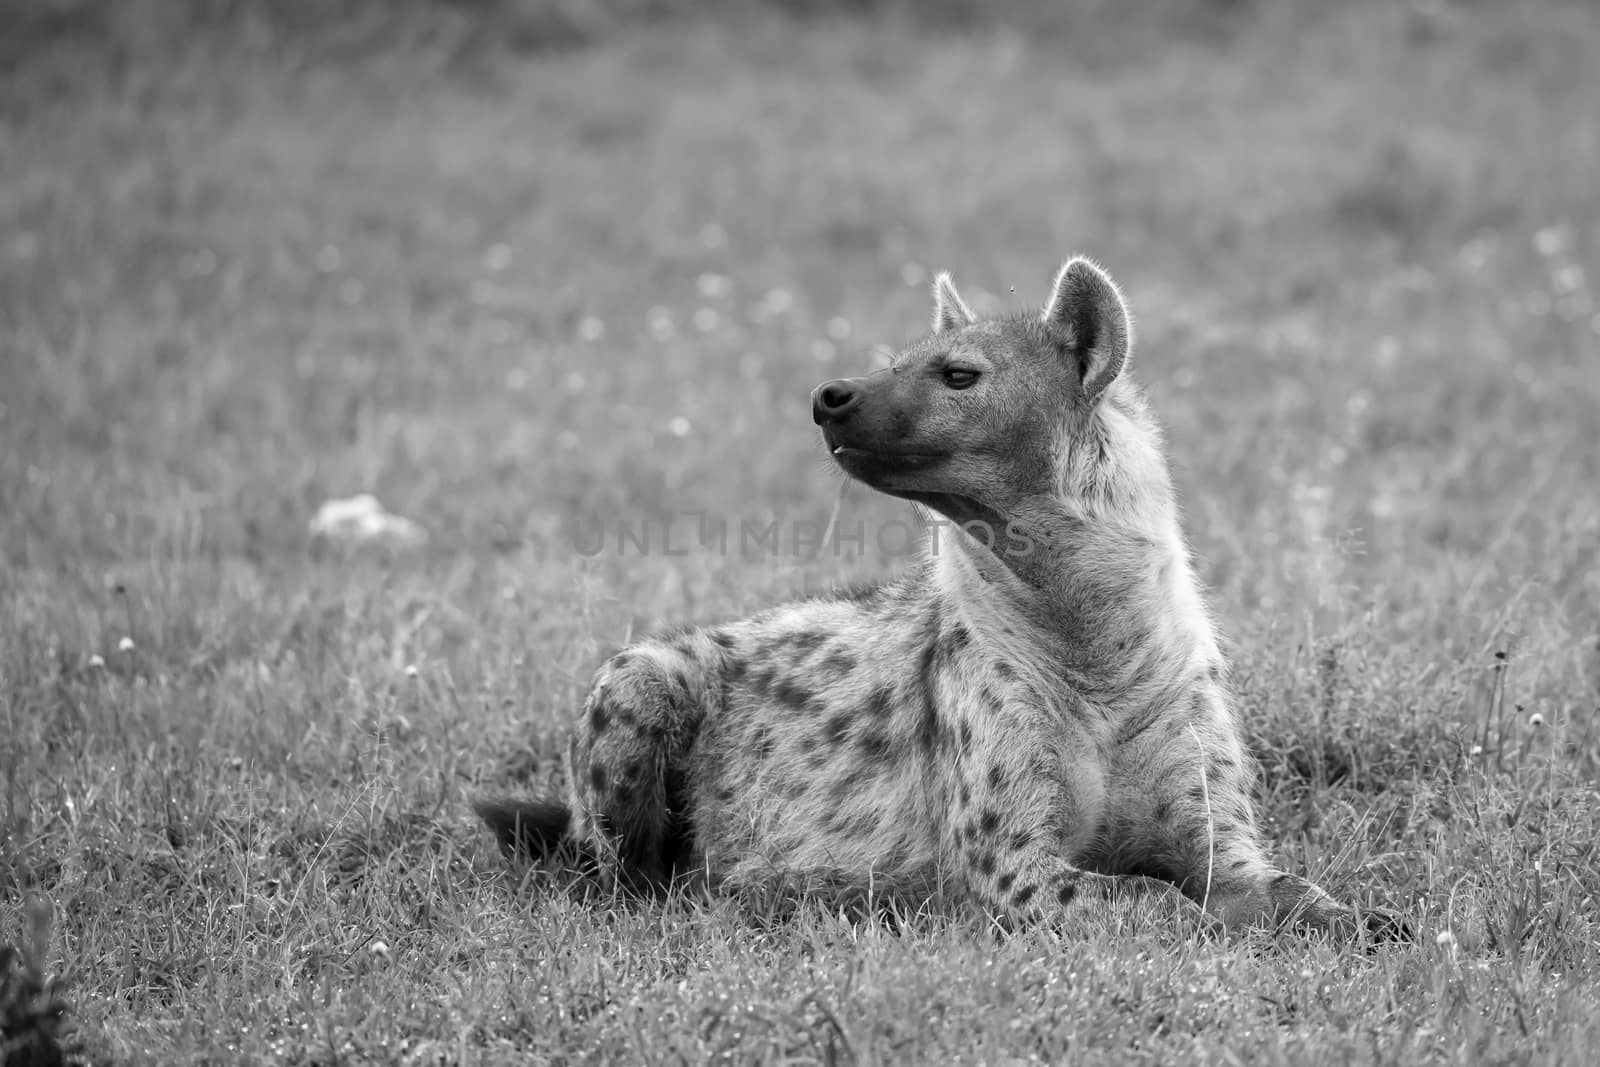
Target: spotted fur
1035 713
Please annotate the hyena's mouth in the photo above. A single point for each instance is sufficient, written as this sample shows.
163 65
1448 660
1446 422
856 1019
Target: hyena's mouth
875 467
849 453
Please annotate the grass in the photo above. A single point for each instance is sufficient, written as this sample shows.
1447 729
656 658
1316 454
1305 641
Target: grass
521 292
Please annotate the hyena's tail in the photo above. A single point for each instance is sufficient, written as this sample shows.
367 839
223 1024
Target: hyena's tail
534 829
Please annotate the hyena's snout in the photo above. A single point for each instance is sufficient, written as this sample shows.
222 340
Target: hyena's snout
833 402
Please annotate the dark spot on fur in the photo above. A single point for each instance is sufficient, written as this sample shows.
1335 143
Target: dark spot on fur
928 730
807 641
1023 895
680 681
725 794
1162 811
1005 880
632 770
838 728
791 695
722 638
997 776
865 821
927 663
838 663
597 777
1197 794
1220 771
761 680
735 669
966 736
957 638
881 703
1004 670
1067 891
990 821
965 793
875 744
1021 840
599 718
817 760
985 861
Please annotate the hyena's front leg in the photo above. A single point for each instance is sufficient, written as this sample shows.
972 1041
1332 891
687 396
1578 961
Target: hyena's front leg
1182 810
1019 814
627 766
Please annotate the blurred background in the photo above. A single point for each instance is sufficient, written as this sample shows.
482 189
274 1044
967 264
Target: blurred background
536 270
530 269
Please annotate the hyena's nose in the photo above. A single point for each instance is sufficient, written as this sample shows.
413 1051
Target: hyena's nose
832 401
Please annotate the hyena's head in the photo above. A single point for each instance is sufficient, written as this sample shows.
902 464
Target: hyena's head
983 416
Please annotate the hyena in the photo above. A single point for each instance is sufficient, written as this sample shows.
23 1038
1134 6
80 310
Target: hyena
1035 714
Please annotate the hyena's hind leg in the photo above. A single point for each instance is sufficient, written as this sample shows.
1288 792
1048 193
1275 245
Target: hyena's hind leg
629 793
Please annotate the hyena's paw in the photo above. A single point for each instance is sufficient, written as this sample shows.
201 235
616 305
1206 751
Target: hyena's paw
1296 903
1385 926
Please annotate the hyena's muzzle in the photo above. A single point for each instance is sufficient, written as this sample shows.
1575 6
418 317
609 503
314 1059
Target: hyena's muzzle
874 427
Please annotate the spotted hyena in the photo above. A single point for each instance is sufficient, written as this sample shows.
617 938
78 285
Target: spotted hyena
1035 714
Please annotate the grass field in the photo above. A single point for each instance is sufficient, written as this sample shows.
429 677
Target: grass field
521 292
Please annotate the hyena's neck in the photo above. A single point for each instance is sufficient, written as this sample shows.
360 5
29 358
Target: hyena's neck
1109 599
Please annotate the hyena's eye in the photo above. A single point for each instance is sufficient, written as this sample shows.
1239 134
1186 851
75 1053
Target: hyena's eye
959 377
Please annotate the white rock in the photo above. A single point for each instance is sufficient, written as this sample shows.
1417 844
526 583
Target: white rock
361 519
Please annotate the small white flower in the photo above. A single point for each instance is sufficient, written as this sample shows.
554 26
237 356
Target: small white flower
1445 939
379 949
411 670
97 660
1475 750
125 645
1536 719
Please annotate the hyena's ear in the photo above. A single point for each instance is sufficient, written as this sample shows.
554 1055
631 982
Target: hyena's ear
1086 312
950 312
